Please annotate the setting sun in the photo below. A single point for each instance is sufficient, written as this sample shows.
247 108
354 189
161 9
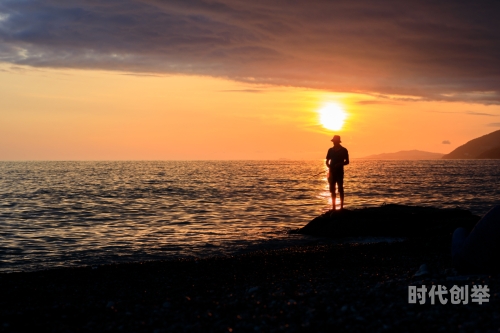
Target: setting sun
332 116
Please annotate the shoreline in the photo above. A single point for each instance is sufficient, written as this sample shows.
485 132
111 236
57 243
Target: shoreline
319 285
361 287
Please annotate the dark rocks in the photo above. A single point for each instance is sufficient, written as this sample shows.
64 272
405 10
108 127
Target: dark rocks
390 220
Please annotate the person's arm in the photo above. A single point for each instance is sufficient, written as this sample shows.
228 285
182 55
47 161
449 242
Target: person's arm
328 162
346 161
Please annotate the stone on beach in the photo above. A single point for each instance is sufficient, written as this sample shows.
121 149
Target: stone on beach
422 271
390 220
479 250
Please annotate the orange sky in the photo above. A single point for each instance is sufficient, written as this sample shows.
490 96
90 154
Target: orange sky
49 114
235 79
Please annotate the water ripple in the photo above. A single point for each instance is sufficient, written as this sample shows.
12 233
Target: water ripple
73 213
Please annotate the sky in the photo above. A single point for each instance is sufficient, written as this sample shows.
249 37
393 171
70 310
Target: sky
189 80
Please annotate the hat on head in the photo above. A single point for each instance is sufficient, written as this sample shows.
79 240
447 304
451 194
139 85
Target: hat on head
336 138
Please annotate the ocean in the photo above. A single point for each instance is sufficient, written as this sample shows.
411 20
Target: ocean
60 214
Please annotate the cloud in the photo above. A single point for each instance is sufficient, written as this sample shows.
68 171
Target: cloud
473 113
372 102
446 142
494 124
255 91
444 50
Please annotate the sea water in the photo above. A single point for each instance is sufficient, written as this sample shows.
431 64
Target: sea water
56 214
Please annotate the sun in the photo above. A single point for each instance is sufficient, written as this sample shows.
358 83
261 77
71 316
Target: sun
332 116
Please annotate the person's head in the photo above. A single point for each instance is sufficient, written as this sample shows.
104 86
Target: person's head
336 140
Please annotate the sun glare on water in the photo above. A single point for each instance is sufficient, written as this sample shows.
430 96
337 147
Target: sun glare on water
332 116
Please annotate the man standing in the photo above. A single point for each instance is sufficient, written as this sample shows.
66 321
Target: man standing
336 158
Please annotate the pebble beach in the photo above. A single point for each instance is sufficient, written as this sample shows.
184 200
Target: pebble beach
315 287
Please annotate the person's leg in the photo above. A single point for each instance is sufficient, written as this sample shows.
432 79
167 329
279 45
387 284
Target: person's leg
332 182
333 190
341 192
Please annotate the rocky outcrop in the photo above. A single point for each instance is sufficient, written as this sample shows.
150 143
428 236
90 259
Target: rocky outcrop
487 146
390 220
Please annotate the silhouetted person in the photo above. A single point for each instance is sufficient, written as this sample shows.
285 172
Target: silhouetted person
336 158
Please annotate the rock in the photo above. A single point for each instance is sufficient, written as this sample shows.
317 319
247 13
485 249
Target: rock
422 271
390 221
479 250
252 290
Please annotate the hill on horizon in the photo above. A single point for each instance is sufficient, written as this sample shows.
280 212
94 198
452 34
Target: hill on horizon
484 147
406 155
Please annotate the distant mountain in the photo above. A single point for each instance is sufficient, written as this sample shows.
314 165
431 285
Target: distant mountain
406 155
486 146
491 153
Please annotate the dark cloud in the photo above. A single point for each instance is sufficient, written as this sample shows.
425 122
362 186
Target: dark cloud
439 50
494 124
446 142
